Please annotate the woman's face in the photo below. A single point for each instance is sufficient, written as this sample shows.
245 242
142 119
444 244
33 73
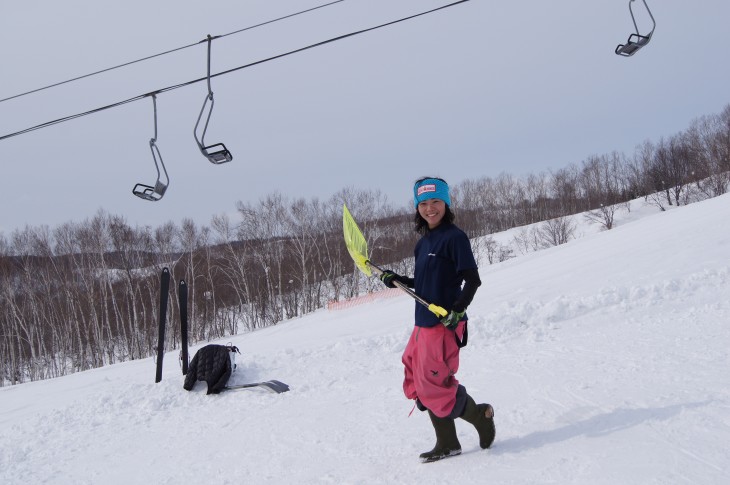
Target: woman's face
432 211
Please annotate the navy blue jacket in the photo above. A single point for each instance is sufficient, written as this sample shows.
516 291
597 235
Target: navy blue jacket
442 257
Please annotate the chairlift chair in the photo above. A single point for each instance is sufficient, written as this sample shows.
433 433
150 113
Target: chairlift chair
154 192
216 153
636 41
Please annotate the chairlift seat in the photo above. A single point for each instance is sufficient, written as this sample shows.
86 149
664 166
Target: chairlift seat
635 42
147 192
216 153
221 155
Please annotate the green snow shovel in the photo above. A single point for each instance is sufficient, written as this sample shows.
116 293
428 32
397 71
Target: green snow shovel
358 249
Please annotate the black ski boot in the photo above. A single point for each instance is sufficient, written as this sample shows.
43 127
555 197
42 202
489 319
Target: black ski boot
481 416
447 444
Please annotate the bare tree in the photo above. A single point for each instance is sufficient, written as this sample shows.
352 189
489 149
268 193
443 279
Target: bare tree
556 231
233 271
260 227
496 253
711 139
604 216
527 239
565 189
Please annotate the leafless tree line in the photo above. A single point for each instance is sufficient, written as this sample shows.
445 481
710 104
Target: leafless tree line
86 294
688 166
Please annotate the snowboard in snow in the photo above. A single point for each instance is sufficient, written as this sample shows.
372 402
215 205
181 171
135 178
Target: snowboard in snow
272 385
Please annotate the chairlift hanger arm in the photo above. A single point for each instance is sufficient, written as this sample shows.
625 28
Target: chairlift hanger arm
209 39
650 16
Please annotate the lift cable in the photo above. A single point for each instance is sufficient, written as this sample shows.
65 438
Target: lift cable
222 73
168 52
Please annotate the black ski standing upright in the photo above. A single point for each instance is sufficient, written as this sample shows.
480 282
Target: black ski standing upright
183 297
164 295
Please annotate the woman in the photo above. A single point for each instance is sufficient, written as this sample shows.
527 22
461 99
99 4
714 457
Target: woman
444 261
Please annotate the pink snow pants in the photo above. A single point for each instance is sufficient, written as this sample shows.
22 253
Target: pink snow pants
431 360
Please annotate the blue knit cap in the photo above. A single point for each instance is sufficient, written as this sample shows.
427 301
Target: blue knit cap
431 188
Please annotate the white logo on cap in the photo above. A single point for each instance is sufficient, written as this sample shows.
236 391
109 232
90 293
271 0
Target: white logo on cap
426 188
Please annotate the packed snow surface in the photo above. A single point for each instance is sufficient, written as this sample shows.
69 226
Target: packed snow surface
606 360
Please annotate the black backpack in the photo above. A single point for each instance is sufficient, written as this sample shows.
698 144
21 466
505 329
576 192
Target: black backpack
213 364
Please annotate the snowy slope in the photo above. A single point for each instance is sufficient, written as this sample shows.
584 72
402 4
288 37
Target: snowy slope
606 360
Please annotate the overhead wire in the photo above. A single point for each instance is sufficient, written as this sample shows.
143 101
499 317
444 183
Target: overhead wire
168 51
222 73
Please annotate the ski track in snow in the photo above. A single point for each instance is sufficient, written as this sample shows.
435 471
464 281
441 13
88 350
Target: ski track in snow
591 383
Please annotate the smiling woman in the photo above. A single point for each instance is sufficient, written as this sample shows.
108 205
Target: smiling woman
443 262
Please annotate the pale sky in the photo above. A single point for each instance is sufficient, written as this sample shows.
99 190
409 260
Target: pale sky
474 90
